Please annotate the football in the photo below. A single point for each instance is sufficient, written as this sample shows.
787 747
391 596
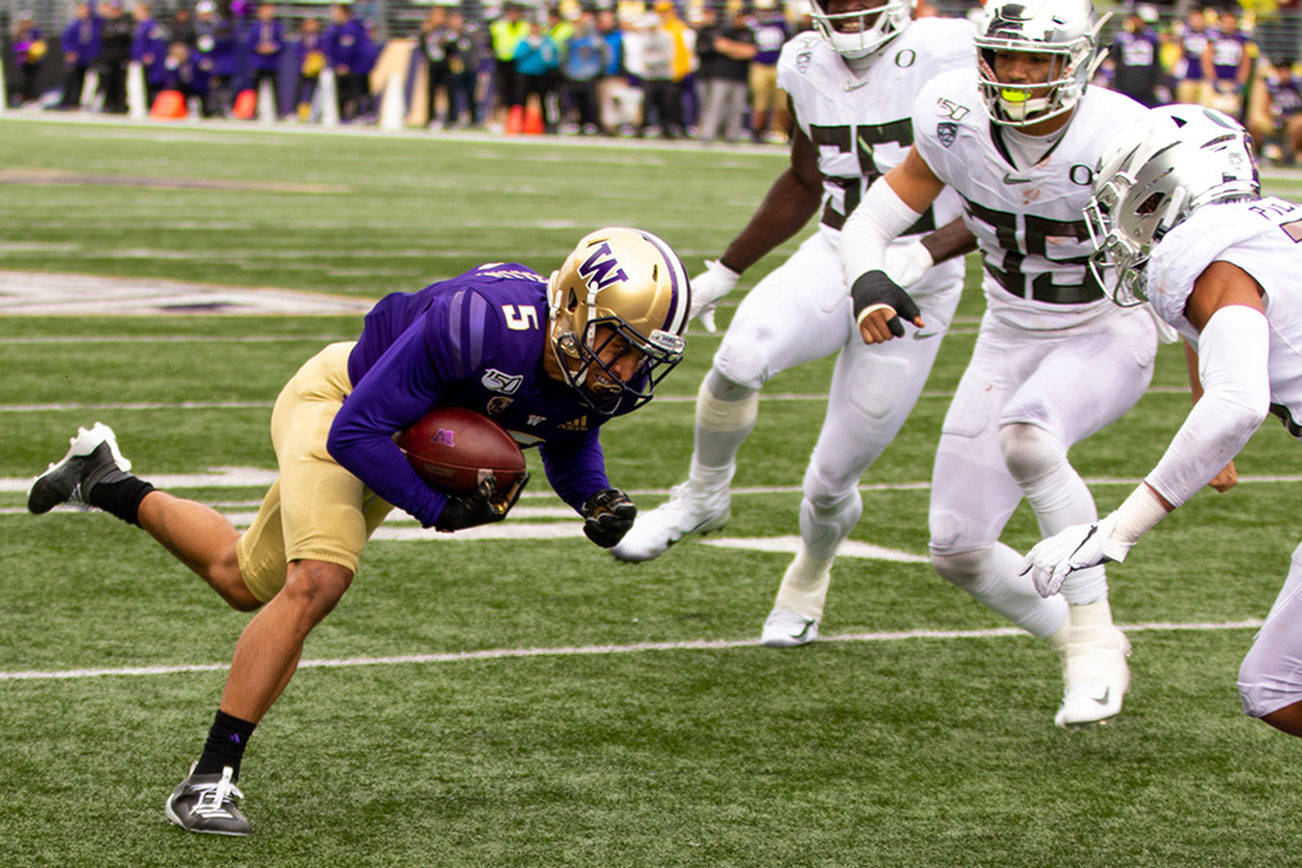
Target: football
453 448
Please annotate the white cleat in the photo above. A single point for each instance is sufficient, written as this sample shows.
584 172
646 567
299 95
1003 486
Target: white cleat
785 629
1095 677
686 512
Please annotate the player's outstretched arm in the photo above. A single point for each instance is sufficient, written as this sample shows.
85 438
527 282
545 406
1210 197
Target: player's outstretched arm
791 200
1234 344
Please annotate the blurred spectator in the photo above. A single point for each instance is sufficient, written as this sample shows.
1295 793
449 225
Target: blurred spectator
560 30
613 82
465 70
348 49
1227 65
149 48
215 59
1134 62
115 51
29 53
182 27
506 33
1276 119
438 45
1193 38
661 98
265 41
726 51
536 58
311 61
586 59
769 121
81 48
179 71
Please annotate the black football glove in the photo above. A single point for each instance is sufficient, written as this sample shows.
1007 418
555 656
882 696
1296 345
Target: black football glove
484 505
607 516
875 288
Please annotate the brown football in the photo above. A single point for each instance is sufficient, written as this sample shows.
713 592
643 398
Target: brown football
453 448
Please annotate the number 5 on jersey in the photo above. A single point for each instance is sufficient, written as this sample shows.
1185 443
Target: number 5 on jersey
520 317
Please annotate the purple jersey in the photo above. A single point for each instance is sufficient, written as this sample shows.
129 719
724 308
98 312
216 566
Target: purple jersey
475 341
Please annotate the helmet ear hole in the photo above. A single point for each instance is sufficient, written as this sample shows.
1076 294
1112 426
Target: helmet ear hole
574 302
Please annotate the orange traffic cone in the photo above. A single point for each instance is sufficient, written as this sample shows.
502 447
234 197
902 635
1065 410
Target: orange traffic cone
246 103
515 120
169 105
533 121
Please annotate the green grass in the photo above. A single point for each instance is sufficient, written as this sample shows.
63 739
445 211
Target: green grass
921 751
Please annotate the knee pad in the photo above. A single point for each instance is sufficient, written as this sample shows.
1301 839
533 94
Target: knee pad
1030 452
827 520
724 405
954 533
742 363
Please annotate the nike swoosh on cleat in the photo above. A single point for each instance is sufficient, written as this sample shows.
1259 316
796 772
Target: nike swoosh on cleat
1103 700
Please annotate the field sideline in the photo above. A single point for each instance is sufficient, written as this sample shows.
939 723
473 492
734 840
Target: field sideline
520 698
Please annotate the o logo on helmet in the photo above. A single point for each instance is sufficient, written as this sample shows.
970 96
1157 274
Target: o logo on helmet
601 269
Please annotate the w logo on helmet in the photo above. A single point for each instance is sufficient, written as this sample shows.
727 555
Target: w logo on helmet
601 269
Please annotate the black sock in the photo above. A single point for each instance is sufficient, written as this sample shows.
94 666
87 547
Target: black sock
121 498
225 746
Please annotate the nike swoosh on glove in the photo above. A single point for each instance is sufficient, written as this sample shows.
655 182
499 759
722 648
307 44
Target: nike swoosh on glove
1080 547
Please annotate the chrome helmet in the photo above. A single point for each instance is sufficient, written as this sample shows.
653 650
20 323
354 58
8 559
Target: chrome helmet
1064 29
861 32
1150 179
620 291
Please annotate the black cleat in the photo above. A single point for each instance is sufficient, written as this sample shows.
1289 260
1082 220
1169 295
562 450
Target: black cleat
93 458
206 803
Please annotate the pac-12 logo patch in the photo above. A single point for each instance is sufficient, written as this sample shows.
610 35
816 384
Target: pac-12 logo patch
946 132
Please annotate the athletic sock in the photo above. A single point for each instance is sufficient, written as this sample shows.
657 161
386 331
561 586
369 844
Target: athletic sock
225 746
121 498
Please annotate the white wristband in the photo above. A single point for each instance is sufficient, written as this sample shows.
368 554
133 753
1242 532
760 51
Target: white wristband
1137 515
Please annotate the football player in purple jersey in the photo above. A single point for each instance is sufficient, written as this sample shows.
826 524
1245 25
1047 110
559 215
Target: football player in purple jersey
551 359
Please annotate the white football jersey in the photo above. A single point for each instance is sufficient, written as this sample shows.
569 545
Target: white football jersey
1028 221
860 124
1264 238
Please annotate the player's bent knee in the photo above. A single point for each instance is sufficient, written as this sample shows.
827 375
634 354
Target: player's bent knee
962 569
316 586
226 579
741 362
1030 452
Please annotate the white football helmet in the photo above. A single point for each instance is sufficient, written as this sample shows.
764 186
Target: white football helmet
861 32
1150 179
1064 29
619 288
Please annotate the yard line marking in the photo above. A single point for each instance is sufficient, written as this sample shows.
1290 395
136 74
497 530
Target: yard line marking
592 650
225 405
791 544
259 477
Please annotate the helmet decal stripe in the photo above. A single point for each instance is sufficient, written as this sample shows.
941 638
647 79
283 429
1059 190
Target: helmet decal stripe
677 317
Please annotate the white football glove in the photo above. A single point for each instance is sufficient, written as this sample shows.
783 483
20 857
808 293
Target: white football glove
907 263
707 288
1079 547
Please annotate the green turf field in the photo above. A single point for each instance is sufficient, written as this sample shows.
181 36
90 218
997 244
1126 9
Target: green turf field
528 701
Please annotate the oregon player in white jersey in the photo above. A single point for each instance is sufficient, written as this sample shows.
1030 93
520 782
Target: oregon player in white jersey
1177 215
1017 137
851 87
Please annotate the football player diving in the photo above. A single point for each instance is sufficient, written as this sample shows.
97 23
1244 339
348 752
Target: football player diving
1017 136
851 87
1178 220
551 360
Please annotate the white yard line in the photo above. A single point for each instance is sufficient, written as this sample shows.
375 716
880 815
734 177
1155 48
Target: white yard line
223 405
592 650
